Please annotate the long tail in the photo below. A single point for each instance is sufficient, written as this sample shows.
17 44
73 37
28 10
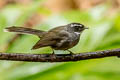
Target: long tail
23 30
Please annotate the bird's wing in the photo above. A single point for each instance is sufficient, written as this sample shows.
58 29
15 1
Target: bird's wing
47 40
42 43
52 38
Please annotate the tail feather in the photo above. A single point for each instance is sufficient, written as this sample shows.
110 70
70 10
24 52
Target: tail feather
23 30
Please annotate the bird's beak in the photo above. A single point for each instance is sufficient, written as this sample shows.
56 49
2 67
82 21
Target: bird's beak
86 28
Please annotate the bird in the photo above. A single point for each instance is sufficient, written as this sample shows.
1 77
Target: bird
59 38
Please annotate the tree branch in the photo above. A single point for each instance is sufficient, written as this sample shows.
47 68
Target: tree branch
58 57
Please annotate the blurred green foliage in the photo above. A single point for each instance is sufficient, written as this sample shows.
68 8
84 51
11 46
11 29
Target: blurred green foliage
103 33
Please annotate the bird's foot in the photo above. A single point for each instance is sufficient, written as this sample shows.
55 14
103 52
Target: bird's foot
53 55
70 52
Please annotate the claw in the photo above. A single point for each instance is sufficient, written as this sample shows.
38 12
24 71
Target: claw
53 52
53 55
70 52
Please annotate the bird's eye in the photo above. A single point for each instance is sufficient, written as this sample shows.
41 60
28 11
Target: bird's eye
77 27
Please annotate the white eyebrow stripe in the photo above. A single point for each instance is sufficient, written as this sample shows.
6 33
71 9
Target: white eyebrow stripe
72 25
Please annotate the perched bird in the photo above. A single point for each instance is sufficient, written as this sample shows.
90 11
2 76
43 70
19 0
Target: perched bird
59 38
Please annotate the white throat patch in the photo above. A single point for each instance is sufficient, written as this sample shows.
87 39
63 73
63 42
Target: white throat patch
77 33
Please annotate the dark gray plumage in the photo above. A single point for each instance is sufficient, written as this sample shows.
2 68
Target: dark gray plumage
59 38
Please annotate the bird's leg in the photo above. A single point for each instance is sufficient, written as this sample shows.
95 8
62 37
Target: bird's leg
53 55
70 52
53 52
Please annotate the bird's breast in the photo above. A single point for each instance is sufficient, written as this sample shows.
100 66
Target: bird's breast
71 41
